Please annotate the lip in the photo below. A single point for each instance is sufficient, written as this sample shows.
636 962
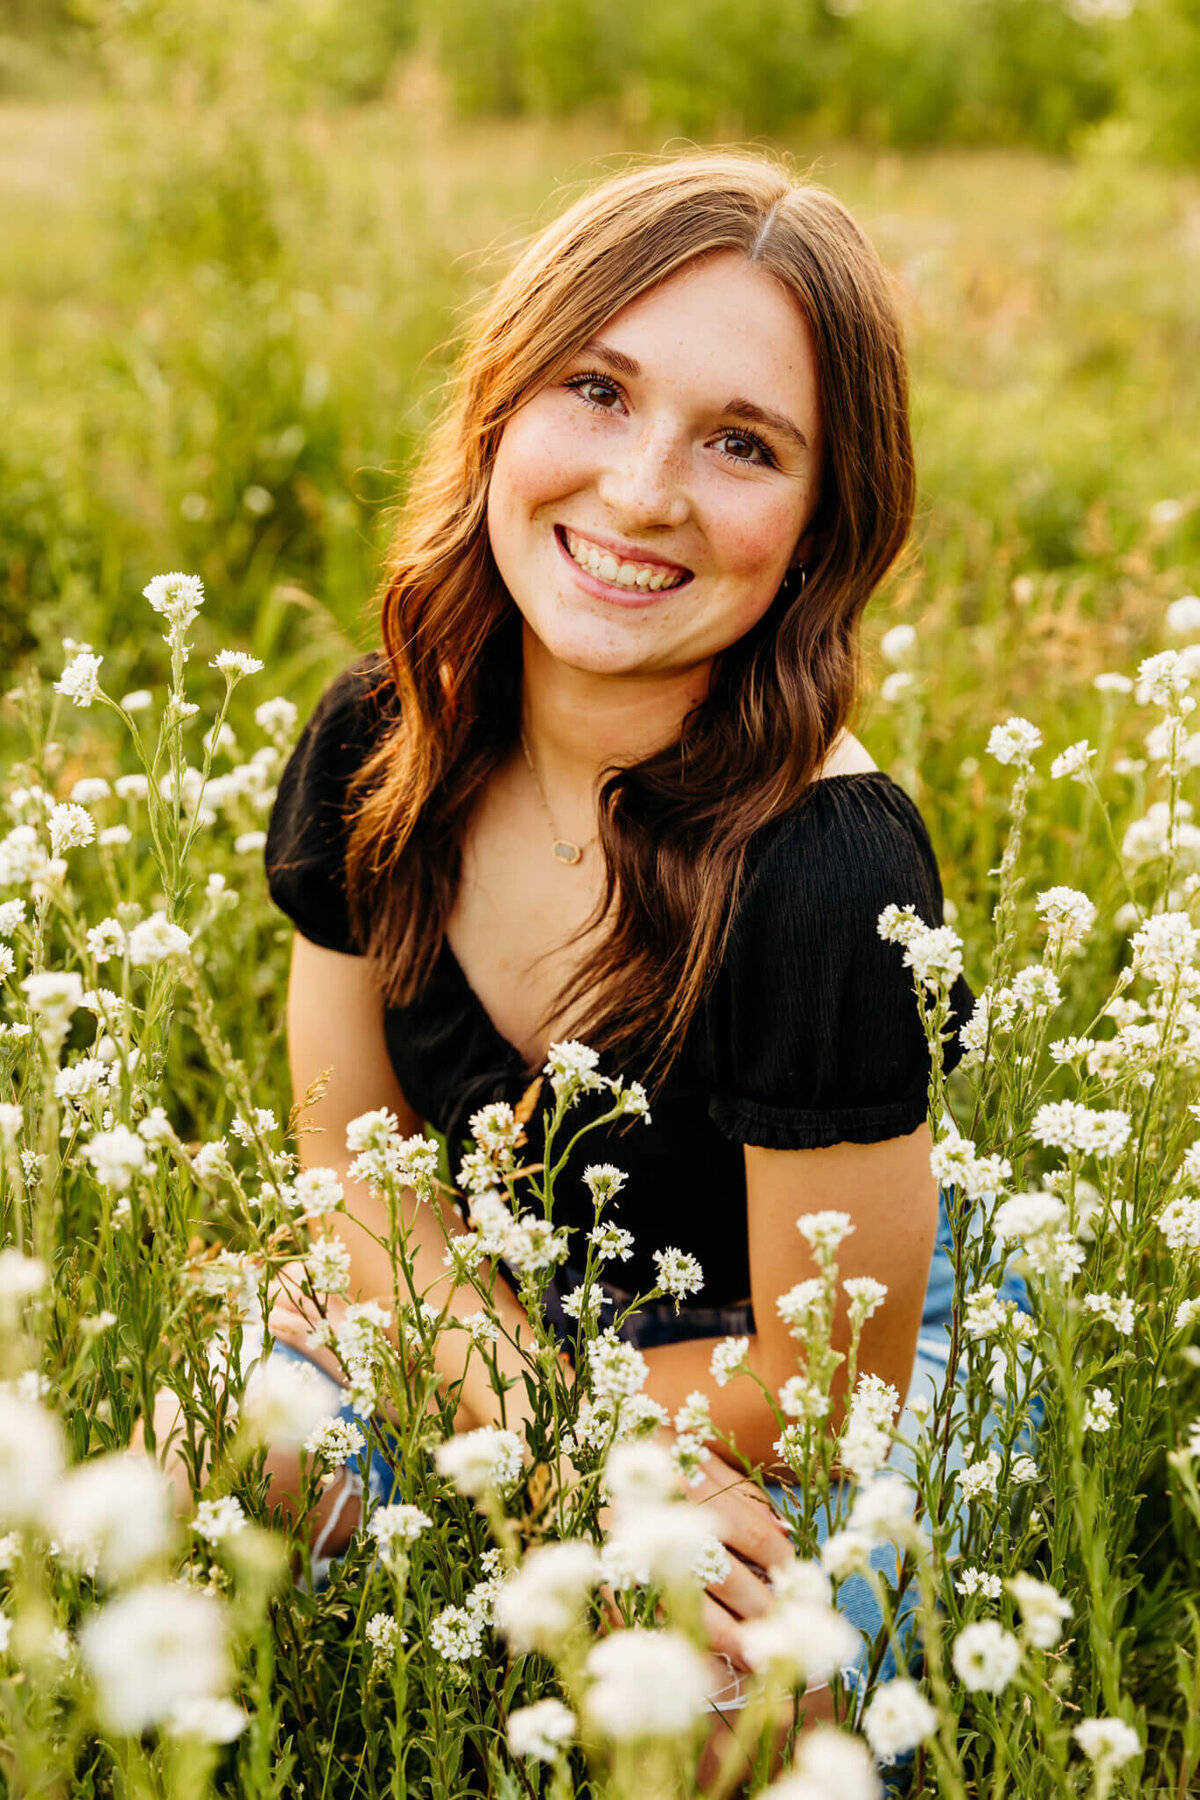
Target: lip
605 590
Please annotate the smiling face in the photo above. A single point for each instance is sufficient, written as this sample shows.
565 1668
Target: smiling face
646 502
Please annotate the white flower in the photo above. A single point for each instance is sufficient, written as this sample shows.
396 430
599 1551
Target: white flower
235 664
1183 615
824 1231
31 1458
177 597
898 643
376 1130
69 827
639 1474
801 1306
883 1509
897 1719
727 1358
480 1462
219 1519
155 939
80 680
285 1401
457 1633
541 1730
572 1070
328 1266
543 1601
1027 1215
1073 762
800 1398
276 717
1100 1410
54 995
264 1121
1024 1469
979 1478
678 1273
868 1433
846 1553
382 1632
829 1765
899 924
866 1296
1107 1741
1165 945
645 1684
935 956
1112 683
113 1513
971 1581
335 1442
151 1650
1069 913
611 1240
589 1301
603 1181
1043 1610
207 1718
1014 742
801 1641
893 687
1115 1309
655 1542
1161 679
12 914
1036 989
21 1277
116 1156
395 1527
985 1657
1179 1222
617 1369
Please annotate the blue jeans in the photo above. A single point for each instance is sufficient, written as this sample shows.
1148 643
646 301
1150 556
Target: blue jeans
658 1323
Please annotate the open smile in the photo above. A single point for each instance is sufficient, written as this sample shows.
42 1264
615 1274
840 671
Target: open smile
605 569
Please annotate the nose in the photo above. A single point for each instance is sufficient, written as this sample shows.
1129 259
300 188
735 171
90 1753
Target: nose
641 486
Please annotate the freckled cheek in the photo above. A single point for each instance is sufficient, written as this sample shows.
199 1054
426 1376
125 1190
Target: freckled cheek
755 543
536 464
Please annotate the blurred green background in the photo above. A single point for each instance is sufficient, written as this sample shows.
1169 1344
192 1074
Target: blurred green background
240 236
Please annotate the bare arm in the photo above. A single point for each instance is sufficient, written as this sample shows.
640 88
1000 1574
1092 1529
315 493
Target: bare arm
335 1022
891 1198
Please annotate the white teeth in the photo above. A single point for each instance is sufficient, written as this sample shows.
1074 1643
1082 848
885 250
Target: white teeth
624 574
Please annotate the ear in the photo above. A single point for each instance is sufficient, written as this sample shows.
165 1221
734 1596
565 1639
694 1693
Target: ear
804 551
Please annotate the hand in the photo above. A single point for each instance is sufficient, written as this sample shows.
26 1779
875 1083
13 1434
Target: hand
293 1316
751 1530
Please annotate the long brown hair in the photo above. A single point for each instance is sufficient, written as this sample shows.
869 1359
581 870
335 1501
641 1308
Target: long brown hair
673 828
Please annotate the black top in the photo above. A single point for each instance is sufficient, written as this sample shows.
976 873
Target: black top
810 1034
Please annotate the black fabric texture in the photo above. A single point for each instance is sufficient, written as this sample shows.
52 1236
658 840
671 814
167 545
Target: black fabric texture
810 1034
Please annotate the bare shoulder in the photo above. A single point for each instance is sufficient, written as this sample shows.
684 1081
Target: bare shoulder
848 756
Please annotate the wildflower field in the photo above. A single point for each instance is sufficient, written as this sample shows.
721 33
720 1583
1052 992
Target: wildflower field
218 346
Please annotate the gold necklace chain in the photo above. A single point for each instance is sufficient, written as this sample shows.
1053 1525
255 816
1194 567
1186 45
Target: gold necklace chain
562 849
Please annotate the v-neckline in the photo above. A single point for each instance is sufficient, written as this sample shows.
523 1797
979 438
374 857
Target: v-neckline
513 1055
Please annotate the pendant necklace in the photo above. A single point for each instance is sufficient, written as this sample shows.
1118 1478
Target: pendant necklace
562 849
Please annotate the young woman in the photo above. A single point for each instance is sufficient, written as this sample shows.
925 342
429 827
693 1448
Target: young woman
600 784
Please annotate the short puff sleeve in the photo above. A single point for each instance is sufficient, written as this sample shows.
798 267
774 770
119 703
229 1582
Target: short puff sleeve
306 836
814 1029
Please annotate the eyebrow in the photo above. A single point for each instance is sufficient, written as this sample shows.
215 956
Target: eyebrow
738 407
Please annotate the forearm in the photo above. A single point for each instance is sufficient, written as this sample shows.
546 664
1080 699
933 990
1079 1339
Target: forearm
739 1410
374 1275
